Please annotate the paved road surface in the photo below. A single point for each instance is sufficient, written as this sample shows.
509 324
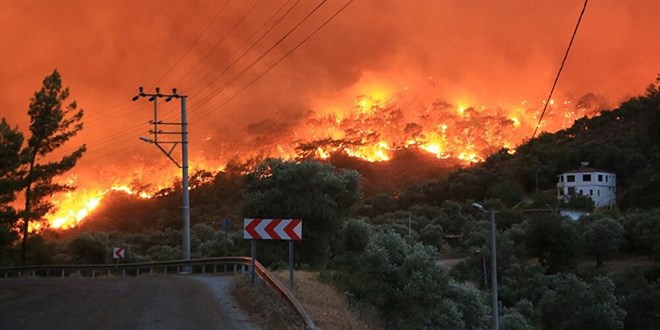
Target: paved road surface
160 302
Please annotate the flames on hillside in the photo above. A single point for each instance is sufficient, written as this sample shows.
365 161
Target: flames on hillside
373 129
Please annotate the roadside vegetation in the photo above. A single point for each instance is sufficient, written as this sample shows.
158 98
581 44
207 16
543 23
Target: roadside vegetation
382 248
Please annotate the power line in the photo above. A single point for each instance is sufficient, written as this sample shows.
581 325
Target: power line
275 64
114 140
545 106
112 143
217 14
249 48
251 65
94 120
217 44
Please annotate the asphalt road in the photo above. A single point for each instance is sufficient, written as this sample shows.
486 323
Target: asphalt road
147 302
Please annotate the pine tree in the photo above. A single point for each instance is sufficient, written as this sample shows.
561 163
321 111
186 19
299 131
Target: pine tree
51 125
11 140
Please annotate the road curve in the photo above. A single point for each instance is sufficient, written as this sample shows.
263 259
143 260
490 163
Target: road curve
146 302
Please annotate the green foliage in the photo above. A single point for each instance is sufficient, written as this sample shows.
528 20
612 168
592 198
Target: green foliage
639 297
7 236
580 203
642 232
602 236
11 140
544 200
512 319
355 236
316 193
555 241
90 248
164 252
570 303
474 313
522 282
41 250
508 192
409 288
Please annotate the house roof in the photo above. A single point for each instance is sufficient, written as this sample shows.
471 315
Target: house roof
588 170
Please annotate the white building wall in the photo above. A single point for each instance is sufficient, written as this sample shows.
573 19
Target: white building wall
599 185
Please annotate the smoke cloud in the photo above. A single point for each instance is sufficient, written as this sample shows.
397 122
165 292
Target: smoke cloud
484 54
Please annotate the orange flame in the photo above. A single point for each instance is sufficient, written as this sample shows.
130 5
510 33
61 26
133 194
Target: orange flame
379 123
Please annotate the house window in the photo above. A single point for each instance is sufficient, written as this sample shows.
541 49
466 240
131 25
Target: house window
598 192
571 191
581 192
600 178
586 177
570 178
607 177
591 192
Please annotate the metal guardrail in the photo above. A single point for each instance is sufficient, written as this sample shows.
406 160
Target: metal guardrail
202 265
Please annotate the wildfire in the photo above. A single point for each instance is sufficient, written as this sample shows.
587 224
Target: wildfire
378 124
74 206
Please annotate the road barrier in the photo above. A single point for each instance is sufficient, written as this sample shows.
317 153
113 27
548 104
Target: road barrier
201 266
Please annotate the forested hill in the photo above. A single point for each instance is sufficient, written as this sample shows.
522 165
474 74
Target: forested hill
625 140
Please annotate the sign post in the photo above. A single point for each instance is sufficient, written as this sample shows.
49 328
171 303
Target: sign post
272 229
118 253
291 264
226 227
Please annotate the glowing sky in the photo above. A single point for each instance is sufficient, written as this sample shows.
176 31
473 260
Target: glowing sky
494 52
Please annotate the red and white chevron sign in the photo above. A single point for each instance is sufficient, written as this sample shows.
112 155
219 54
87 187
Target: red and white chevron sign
282 229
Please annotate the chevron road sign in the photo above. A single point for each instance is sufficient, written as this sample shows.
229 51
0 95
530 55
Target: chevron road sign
273 229
118 252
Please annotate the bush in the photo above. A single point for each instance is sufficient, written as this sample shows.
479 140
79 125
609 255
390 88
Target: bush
89 248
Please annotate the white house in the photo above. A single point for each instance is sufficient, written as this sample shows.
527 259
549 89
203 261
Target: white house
598 184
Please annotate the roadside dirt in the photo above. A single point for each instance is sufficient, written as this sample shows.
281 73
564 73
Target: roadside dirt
147 302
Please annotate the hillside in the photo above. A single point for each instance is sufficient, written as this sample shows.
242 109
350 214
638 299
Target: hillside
624 140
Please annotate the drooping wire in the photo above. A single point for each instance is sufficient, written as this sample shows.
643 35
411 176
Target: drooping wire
568 49
273 65
251 65
236 25
217 14
247 50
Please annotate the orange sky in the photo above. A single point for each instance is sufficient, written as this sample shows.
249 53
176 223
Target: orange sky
483 52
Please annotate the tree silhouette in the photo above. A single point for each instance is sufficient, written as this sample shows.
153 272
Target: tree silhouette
51 125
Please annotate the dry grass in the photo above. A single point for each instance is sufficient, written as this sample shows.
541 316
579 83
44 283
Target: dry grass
266 308
327 306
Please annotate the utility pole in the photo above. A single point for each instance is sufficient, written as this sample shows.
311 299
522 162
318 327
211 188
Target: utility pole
493 264
536 176
155 131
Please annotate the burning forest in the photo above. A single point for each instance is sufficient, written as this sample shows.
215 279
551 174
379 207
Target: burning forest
453 80
373 130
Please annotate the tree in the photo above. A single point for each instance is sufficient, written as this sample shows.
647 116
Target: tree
556 241
51 125
11 140
410 290
602 236
643 231
89 248
639 297
314 192
570 303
